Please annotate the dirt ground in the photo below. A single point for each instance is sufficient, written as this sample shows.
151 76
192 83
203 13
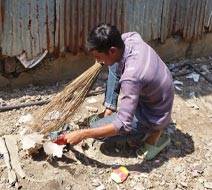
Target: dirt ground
185 164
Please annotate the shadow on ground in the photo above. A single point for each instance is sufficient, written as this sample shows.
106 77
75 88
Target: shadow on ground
181 146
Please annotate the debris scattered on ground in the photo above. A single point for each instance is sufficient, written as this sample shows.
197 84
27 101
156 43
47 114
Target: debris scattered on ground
185 164
193 76
53 149
9 149
91 100
119 175
31 140
176 83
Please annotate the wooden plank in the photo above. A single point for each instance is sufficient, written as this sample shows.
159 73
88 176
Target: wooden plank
11 143
11 174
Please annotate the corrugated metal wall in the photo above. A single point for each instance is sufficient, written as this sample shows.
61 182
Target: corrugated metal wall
75 18
62 25
27 26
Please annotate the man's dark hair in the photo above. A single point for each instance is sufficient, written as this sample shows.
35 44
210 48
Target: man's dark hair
103 37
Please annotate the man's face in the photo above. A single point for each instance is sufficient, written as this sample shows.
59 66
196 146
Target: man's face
108 59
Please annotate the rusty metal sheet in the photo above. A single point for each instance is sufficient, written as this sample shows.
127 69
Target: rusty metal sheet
26 26
74 19
160 19
208 16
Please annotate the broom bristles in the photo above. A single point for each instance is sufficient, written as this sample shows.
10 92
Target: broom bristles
67 101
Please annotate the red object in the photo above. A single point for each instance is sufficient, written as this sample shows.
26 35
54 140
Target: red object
60 140
120 174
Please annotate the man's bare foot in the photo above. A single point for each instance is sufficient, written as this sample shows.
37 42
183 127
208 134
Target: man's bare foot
153 138
108 112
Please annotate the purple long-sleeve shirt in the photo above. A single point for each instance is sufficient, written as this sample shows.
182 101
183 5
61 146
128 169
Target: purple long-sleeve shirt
146 85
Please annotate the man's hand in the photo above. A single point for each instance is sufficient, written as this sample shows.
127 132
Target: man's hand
74 137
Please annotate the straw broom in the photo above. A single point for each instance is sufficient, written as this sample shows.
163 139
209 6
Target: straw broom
67 101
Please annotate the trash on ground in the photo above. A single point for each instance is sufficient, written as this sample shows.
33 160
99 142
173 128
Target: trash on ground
26 119
193 76
193 105
177 82
120 174
58 137
31 140
28 64
178 88
54 149
91 100
192 95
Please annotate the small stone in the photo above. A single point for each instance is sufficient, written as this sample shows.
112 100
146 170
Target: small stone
195 173
69 187
163 182
75 187
92 109
101 187
95 182
117 150
101 172
184 184
201 180
208 185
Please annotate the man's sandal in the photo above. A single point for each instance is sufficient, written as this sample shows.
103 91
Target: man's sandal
148 151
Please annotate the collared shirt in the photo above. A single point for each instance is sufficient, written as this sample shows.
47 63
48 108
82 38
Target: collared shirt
146 86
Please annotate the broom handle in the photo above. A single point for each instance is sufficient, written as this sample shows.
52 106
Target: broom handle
101 63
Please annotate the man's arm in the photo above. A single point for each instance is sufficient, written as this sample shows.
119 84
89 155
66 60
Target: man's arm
75 137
